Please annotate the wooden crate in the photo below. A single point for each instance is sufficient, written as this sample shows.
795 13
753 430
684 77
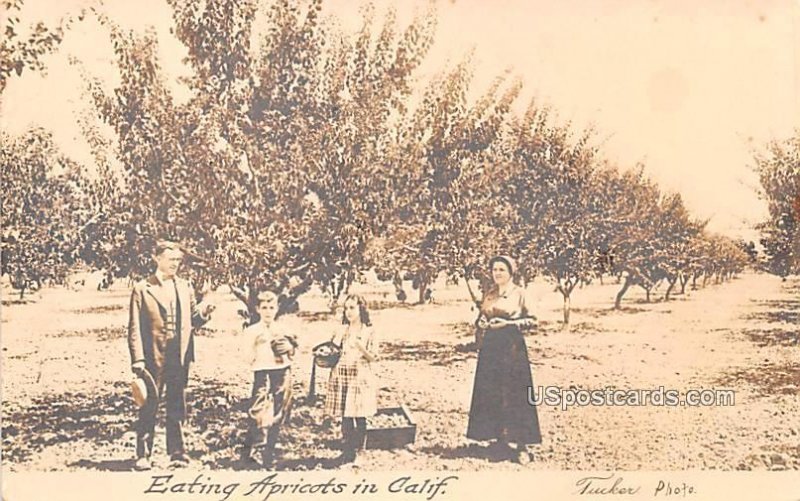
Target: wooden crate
391 438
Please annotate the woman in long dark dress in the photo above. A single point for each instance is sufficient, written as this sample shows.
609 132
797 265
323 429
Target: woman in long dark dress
500 410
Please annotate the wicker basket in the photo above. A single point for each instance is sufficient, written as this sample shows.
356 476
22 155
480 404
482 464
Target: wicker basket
326 355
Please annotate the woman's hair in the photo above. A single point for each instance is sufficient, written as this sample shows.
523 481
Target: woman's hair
362 309
509 263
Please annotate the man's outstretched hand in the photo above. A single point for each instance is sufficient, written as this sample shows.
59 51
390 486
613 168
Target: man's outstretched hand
206 309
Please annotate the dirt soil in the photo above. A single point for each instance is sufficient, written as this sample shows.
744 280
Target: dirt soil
67 406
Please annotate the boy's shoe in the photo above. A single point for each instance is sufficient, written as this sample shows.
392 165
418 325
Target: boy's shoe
143 464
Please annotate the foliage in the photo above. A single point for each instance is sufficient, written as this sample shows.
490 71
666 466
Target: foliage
294 154
22 48
43 212
779 172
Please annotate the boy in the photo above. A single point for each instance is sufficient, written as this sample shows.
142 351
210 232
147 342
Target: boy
270 356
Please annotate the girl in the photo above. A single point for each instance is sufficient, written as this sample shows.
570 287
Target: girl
352 388
270 355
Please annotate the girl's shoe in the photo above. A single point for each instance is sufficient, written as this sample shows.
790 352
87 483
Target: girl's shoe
267 459
358 461
524 457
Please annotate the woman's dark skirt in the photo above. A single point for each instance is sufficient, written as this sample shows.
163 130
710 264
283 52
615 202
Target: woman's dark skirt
500 408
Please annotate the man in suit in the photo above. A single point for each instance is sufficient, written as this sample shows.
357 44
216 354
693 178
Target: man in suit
163 313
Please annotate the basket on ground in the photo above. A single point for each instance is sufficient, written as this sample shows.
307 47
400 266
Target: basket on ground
390 428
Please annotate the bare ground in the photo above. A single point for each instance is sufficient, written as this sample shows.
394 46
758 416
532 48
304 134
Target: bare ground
66 404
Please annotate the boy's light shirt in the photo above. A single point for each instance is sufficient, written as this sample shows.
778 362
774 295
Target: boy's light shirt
258 348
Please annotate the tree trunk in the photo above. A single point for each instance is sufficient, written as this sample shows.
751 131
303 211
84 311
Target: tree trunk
669 289
705 280
399 292
351 277
647 295
249 297
287 299
423 287
472 295
21 293
424 281
346 281
334 296
340 285
618 300
566 291
684 280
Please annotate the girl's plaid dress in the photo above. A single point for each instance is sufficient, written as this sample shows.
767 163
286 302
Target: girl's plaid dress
352 388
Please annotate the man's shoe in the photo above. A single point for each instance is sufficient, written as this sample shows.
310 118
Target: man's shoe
143 464
250 462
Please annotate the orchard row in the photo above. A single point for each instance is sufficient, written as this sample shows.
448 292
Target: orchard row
303 155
